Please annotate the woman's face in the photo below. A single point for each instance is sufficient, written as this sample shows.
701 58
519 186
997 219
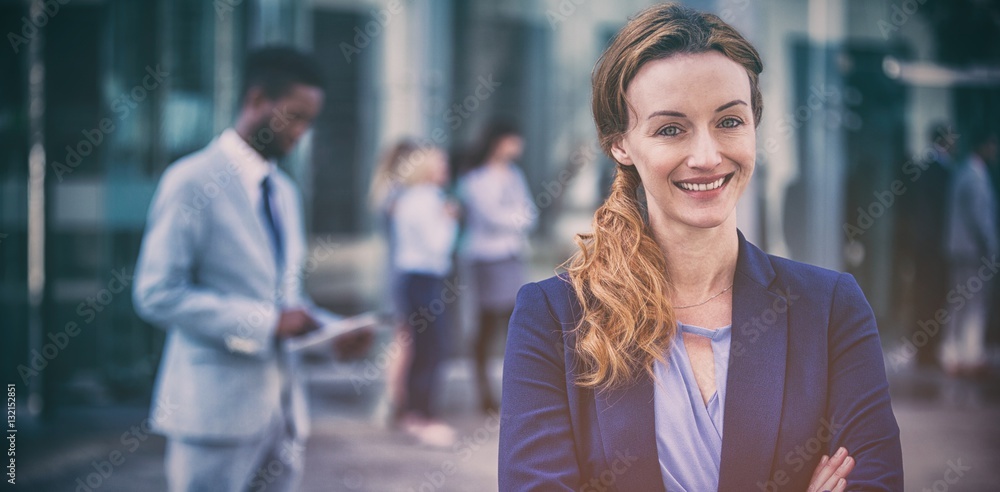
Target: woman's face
509 149
438 167
691 137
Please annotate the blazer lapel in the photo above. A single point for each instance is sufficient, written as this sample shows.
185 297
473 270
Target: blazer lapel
626 422
247 213
756 378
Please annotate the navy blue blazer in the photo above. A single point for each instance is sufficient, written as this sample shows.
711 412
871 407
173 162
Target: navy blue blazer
806 376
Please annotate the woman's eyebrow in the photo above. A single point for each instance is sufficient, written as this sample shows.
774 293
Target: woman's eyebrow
678 114
666 113
730 104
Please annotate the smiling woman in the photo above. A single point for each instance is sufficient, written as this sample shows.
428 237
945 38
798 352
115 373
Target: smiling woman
693 146
629 351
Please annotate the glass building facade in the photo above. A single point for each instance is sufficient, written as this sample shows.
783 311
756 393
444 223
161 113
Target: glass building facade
99 96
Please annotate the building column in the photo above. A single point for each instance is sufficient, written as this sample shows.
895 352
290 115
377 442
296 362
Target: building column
823 168
36 203
416 69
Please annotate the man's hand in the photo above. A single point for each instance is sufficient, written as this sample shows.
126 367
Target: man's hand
831 473
294 322
353 345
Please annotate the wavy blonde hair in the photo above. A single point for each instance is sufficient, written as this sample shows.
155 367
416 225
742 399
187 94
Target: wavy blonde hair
387 174
619 273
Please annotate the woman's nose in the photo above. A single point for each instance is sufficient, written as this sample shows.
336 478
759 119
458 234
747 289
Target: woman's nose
705 152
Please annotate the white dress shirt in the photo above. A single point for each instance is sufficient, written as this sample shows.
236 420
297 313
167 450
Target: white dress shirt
251 167
424 231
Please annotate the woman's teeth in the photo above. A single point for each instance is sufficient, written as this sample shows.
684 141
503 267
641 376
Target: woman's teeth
703 187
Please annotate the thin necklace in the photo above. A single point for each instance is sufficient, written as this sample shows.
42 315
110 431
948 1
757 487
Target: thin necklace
706 300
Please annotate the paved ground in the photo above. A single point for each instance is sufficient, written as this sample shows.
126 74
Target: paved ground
943 425
349 449
947 425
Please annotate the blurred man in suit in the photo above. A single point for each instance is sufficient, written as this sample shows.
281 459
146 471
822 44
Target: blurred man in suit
219 270
993 330
973 245
924 222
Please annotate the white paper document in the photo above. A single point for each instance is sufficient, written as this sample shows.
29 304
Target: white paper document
330 328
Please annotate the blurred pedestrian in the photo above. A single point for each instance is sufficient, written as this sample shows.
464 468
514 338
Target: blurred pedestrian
993 329
972 244
385 189
499 214
219 270
925 238
425 226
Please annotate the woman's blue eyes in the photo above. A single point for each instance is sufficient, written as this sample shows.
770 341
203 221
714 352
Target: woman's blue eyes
730 123
673 131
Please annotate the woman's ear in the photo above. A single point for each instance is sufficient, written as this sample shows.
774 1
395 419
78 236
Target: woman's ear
619 153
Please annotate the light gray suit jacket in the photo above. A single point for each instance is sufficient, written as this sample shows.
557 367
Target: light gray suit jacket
972 216
206 274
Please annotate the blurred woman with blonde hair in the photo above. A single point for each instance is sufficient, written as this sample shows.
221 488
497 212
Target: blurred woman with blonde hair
385 188
424 226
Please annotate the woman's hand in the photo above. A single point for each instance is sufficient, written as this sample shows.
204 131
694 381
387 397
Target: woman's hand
452 209
831 473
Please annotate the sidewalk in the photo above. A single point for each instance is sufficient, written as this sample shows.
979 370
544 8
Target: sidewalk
349 450
945 425
949 430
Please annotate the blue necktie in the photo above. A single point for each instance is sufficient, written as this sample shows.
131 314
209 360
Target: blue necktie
273 222
274 227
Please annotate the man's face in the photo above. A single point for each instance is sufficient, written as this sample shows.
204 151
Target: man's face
989 151
281 122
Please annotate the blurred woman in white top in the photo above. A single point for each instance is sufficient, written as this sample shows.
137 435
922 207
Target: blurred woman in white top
499 214
386 187
424 227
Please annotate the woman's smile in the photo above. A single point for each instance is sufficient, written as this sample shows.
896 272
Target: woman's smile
705 187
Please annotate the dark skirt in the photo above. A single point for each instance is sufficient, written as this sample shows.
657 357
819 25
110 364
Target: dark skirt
497 282
426 312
